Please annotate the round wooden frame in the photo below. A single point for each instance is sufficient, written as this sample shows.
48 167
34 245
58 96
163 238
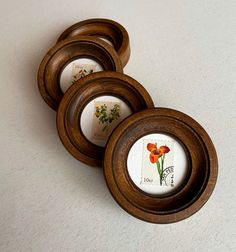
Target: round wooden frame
67 51
103 28
201 156
80 94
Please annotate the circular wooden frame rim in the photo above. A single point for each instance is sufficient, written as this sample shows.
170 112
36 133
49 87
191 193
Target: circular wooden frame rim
58 57
115 176
80 94
104 28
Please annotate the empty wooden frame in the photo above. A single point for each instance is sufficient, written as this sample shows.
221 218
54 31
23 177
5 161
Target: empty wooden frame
105 29
199 180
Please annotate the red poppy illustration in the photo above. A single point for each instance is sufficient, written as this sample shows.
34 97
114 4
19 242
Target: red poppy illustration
157 156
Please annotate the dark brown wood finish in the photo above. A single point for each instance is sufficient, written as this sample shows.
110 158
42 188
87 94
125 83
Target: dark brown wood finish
103 28
66 51
80 94
202 161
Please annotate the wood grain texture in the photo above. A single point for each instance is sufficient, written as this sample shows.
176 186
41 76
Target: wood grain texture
202 166
80 94
103 28
67 51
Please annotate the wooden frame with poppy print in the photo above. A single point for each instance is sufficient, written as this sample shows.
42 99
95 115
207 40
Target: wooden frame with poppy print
66 51
202 166
82 93
102 28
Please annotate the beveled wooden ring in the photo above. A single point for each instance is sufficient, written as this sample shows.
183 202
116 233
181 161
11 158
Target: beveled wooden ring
200 152
80 94
104 28
67 51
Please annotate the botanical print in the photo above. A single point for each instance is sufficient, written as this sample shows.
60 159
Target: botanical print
81 70
157 168
106 116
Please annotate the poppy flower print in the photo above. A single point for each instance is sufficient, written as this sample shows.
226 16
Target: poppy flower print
157 156
158 166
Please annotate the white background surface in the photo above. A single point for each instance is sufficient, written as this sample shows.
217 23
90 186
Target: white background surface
184 53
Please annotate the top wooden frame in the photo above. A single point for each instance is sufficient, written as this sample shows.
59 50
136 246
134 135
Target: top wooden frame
103 28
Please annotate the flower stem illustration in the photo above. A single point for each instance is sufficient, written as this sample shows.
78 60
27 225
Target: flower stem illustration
157 156
105 118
